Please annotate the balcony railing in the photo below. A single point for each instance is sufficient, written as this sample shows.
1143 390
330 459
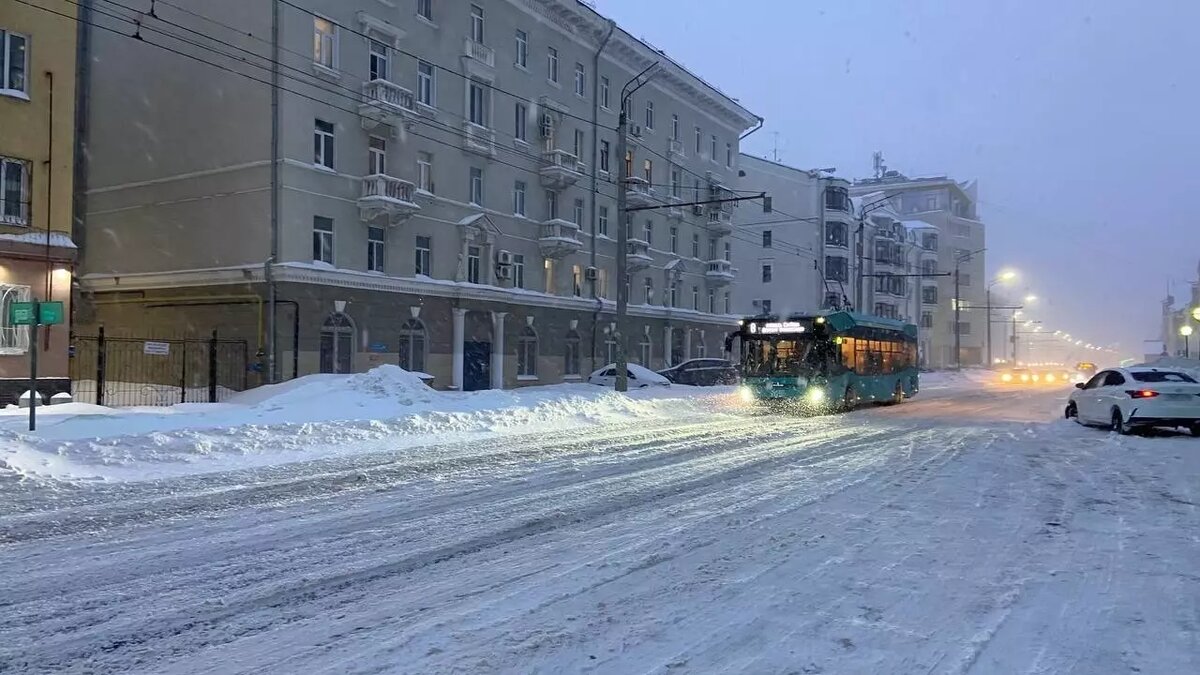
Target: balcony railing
675 211
559 238
638 254
720 272
480 52
479 139
640 193
386 195
720 222
560 169
675 147
386 102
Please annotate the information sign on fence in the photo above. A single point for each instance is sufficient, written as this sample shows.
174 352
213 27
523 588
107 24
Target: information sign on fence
156 348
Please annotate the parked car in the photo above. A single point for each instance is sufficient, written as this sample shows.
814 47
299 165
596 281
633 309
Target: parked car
1126 399
638 377
702 372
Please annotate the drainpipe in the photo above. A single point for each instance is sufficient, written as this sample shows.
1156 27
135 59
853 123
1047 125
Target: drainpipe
595 168
272 369
743 136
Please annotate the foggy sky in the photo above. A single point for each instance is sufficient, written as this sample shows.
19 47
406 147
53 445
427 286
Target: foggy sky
1080 119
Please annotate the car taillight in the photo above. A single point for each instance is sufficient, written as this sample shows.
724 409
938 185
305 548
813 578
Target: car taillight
1141 393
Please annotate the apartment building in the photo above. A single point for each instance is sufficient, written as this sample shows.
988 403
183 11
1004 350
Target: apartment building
941 223
436 187
37 254
797 258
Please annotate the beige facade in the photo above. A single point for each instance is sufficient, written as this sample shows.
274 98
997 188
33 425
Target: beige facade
37 146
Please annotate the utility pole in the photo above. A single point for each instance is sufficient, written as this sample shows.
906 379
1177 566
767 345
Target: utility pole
957 323
623 283
989 325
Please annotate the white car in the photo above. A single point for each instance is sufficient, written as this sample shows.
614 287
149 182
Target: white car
638 377
1125 399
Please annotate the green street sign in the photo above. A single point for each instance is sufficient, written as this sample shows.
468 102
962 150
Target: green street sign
51 313
21 314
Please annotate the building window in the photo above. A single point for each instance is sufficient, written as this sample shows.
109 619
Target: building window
728 307
964 279
712 301
324 42
712 148
929 295
412 346
477 102
577 212
337 344
712 249
13 339
15 193
649 114
551 205
376 156
728 155
580 79
571 355
766 306
578 146
649 288
552 64
674 239
931 203
645 349
833 301
425 9
602 283
728 252
673 300
699 136
604 156
929 241
476 186
375 249
649 232
527 353
964 328
548 272
520 122
425 81
477 23
576 280
766 239
766 274
425 172
474 267
837 234
696 298
519 198
628 162
837 198
522 49
378 55
604 92
696 246
926 319
602 221
14 64
837 269
648 171
422 259
323 144
323 239
674 127
961 230
518 270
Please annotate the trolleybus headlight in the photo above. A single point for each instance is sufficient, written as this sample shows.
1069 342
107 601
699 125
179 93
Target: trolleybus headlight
815 396
1007 377
745 394
1049 377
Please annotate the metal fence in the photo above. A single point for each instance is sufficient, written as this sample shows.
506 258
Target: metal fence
124 371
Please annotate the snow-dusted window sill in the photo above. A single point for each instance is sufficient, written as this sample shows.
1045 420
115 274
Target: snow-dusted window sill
13 351
527 378
572 378
15 93
323 169
425 21
326 72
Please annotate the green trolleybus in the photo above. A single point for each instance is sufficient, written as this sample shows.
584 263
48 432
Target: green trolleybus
830 361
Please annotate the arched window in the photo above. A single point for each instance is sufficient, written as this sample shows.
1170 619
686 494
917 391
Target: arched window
571 354
412 346
527 353
644 351
13 339
337 344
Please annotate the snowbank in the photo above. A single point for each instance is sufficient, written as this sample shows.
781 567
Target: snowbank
312 417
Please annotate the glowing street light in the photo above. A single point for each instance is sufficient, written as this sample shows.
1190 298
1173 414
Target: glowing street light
1031 298
1196 313
1186 332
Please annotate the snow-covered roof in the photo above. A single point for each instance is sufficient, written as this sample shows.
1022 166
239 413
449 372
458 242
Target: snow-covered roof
918 225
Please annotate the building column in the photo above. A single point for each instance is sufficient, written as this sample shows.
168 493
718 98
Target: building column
460 333
668 346
498 349
687 343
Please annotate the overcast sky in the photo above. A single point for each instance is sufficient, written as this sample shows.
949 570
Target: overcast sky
1081 120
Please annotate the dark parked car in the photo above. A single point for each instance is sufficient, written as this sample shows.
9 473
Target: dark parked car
702 372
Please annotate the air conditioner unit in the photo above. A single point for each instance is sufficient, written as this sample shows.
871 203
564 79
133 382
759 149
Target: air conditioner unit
503 258
756 303
504 273
636 130
591 274
698 209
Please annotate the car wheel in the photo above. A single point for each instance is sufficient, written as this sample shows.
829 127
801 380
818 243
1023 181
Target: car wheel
898 394
1195 429
1118 423
849 399
1072 412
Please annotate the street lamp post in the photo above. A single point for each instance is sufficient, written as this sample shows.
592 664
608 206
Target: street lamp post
1006 275
1186 332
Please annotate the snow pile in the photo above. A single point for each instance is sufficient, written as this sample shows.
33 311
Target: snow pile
384 410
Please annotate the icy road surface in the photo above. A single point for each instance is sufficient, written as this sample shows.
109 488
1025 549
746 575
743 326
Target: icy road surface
961 532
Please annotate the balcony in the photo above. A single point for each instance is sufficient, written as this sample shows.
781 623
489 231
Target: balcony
675 149
675 211
560 169
559 238
479 139
720 272
386 103
720 222
640 193
386 196
638 255
479 52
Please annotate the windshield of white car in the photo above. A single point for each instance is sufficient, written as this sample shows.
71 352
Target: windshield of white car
1161 376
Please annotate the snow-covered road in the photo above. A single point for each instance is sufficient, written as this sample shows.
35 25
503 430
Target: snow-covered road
961 532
